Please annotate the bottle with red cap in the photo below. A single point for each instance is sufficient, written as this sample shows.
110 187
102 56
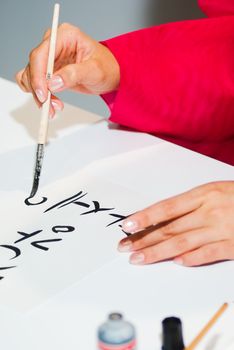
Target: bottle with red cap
116 334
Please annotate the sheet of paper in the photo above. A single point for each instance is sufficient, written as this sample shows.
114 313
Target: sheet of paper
46 247
163 170
146 295
67 155
68 273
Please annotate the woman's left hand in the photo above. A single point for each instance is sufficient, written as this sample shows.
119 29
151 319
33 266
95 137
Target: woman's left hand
193 228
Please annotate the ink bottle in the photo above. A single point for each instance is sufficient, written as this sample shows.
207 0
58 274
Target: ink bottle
116 334
172 334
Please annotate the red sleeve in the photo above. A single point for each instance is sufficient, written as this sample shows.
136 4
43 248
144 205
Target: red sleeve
215 8
177 82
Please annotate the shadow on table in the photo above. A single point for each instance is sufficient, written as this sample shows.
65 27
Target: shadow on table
213 342
29 116
87 140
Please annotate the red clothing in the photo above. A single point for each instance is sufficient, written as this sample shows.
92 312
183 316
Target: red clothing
177 81
216 8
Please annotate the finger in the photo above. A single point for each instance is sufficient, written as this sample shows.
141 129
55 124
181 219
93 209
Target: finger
213 252
56 106
18 78
27 73
67 77
51 112
57 103
189 222
47 34
72 76
173 247
37 68
24 82
142 240
23 79
163 211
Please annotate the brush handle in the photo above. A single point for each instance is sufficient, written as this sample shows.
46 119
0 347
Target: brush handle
43 129
207 327
44 123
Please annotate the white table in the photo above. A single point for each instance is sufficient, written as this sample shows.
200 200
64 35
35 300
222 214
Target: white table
149 167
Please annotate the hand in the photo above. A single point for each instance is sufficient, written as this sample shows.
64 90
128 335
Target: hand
193 228
81 64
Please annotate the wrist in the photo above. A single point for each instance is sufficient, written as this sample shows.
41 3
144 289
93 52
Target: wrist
111 69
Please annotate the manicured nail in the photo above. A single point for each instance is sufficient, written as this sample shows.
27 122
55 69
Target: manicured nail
56 106
137 258
178 261
56 83
40 95
125 246
130 226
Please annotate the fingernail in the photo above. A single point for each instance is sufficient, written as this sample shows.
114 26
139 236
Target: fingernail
56 106
137 258
40 95
125 246
178 261
56 83
130 226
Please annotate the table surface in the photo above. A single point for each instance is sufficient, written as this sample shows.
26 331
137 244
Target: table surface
151 168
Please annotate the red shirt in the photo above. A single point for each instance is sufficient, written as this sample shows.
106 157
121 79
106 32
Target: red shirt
177 81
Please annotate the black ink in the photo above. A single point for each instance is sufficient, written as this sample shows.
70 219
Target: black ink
43 244
82 204
6 268
63 229
67 201
120 218
37 244
126 233
27 202
96 209
11 247
26 235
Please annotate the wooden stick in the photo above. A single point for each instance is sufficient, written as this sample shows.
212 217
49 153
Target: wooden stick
42 135
43 129
207 327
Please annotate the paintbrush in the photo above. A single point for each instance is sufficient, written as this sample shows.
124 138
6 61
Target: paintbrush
43 129
207 327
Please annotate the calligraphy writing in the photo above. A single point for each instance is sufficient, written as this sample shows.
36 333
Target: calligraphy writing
92 207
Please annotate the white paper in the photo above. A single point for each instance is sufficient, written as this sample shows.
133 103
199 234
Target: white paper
57 298
83 242
145 295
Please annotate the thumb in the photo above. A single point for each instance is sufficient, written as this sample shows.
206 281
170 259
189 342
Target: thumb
68 77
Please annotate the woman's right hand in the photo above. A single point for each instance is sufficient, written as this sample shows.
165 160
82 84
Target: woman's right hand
81 64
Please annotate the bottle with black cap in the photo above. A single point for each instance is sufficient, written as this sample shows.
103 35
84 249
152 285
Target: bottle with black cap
172 334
